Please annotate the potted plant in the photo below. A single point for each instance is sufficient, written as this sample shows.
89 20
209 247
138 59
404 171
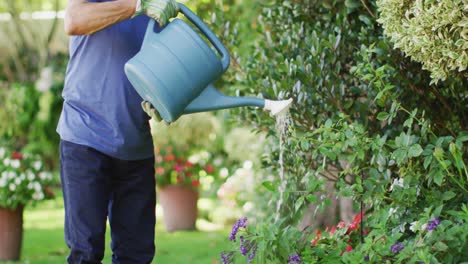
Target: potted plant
23 181
178 174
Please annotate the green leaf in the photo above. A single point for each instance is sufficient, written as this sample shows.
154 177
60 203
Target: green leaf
312 198
415 150
382 116
271 186
448 195
299 203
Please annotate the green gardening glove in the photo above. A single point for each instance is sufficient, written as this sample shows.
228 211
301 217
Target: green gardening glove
159 10
149 110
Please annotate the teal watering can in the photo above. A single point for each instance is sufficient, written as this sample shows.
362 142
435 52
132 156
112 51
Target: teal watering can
175 68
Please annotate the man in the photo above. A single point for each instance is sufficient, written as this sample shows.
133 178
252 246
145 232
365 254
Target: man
106 150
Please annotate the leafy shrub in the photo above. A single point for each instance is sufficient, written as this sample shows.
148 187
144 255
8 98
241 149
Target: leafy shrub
365 118
434 33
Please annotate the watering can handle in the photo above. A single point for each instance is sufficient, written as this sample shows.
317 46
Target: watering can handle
225 58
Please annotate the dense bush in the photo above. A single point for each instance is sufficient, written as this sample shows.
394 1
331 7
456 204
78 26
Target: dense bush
434 33
365 118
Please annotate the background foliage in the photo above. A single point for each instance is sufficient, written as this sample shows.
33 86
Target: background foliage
366 118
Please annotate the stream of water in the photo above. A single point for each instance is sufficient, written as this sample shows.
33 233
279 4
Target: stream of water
283 120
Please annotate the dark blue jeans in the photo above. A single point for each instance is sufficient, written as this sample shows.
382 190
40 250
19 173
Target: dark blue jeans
96 187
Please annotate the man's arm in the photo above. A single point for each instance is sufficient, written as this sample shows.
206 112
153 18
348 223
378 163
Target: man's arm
85 18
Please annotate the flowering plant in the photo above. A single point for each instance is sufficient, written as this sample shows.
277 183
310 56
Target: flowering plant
22 179
176 165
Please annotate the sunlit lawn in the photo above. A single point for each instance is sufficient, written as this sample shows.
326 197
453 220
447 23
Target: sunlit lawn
43 240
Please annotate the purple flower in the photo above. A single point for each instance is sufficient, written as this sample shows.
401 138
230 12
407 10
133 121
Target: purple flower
294 259
226 257
397 248
366 258
243 246
252 255
433 224
240 223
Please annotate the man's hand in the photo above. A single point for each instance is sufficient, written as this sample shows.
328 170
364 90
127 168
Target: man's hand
149 110
159 10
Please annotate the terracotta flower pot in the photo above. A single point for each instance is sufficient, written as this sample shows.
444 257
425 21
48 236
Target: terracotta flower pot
11 233
179 204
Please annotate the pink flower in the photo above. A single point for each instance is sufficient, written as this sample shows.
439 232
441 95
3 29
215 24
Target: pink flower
178 168
341 224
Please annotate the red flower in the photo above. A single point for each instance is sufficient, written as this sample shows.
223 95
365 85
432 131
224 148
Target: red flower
17 156
332 231
195 183
188 164
188 174
180 161
341 224
160 171
316 239
209 168
170 157
354 225
349 248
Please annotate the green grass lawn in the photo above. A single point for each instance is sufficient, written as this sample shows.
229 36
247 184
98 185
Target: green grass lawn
43 241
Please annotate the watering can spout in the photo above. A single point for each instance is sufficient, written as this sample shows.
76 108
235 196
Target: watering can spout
211 99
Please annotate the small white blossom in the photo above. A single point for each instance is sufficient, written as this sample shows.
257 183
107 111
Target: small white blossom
22 176
37 187
248 164
3 182
397 182
413 226
45 80
4 175
37 165
38 196
18 181
2 153
224 173
30 186
15 163
392 211
6 162
11 175
12 187
31 176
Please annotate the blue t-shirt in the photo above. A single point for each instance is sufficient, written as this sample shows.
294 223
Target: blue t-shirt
101 108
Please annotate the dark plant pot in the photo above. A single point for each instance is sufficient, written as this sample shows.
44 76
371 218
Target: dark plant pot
11 233
179 204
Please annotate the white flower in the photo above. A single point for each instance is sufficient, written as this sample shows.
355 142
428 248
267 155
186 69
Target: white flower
3 182
391 211
38 196
224 173
6 162
397 182
413 226
45 80
18 181
31 176
37 165
15 163
248 164
37 187
12 187
45 176
2 152
30 186
11 175
4 175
